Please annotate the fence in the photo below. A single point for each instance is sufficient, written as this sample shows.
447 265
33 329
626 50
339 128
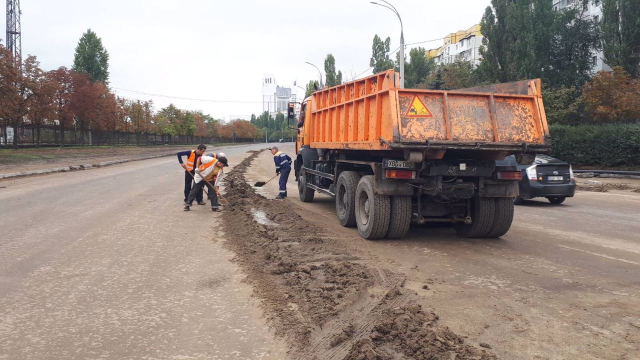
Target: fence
51 136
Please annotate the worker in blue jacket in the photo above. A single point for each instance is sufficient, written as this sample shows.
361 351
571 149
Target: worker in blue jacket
283 167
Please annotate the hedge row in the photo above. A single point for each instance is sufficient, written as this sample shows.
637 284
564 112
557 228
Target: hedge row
604 146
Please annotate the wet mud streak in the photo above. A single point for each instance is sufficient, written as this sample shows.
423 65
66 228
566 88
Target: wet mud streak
325 302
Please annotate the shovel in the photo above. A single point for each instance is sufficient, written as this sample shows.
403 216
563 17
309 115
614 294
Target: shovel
263 183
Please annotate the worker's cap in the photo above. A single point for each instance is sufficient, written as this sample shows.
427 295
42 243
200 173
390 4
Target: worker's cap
223 160
221 155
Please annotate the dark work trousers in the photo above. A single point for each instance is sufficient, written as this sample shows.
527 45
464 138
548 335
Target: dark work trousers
198 188
284 177
187 186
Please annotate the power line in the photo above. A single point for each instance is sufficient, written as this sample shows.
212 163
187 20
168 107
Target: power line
186 98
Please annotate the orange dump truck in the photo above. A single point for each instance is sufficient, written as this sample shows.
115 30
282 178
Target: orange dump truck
392 156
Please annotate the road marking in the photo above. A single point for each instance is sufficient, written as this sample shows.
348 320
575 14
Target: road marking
601 255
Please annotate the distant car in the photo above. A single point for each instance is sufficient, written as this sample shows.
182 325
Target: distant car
546 177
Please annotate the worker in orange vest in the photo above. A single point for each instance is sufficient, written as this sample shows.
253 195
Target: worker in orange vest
189 170
209 172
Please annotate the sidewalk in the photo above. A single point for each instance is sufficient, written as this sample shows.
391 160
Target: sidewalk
25 162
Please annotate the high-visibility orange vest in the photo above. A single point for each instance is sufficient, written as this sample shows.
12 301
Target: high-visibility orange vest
191 161
203 167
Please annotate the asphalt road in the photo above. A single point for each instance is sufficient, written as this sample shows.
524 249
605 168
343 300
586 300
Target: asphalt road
105 263
563 283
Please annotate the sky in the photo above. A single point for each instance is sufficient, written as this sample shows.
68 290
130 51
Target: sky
220 50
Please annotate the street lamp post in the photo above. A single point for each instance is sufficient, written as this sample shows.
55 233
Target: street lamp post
319 72
392 8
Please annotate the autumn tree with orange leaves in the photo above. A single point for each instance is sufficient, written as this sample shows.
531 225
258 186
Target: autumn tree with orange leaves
612 97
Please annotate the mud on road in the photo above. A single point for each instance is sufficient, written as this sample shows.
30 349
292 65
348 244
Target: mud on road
326 303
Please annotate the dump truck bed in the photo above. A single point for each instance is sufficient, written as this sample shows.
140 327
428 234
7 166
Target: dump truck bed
373 114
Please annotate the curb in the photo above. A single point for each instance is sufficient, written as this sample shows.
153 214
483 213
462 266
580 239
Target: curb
79 167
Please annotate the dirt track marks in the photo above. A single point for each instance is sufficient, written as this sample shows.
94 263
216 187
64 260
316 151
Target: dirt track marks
327 303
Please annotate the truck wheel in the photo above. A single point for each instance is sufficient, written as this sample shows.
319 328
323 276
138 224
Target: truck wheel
372 210
346 198
482 215
306 194
518 200
503 219
400 218
557 200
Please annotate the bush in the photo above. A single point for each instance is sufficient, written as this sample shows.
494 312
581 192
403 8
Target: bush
605 146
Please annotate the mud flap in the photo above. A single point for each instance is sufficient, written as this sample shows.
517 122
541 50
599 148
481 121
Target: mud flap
383 186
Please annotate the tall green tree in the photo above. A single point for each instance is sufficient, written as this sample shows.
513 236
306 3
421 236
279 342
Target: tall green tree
92 58
333 78
380 60
418 69
576 39
621 34
529 39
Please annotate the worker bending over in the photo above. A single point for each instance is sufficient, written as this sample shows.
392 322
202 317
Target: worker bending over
189 170
283 168
209 172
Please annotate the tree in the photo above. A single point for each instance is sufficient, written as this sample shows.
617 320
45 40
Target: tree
85 99
312 86
621 34
612 97
333 78
43 107
572 50
458 75
380 60
62 98
418 69
92 58
563 105
526 39
18 81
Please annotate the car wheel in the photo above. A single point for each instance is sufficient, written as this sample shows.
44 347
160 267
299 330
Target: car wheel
556 200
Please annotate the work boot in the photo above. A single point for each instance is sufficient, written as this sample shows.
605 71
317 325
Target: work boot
186 208
202 203
280 197
214 209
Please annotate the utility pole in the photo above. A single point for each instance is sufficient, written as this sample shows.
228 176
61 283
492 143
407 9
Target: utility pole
14 38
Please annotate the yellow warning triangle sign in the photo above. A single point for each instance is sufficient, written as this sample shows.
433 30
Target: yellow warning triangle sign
417 109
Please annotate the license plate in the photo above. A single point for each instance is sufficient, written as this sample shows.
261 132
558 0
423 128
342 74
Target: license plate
555 178
398 164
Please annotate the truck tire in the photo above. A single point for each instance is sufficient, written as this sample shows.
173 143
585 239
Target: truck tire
306 194
556 200
346 198
400 219
482 216
503 218
372 210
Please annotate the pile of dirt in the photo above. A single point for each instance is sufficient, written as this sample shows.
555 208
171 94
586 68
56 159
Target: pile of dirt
605 187
326 303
